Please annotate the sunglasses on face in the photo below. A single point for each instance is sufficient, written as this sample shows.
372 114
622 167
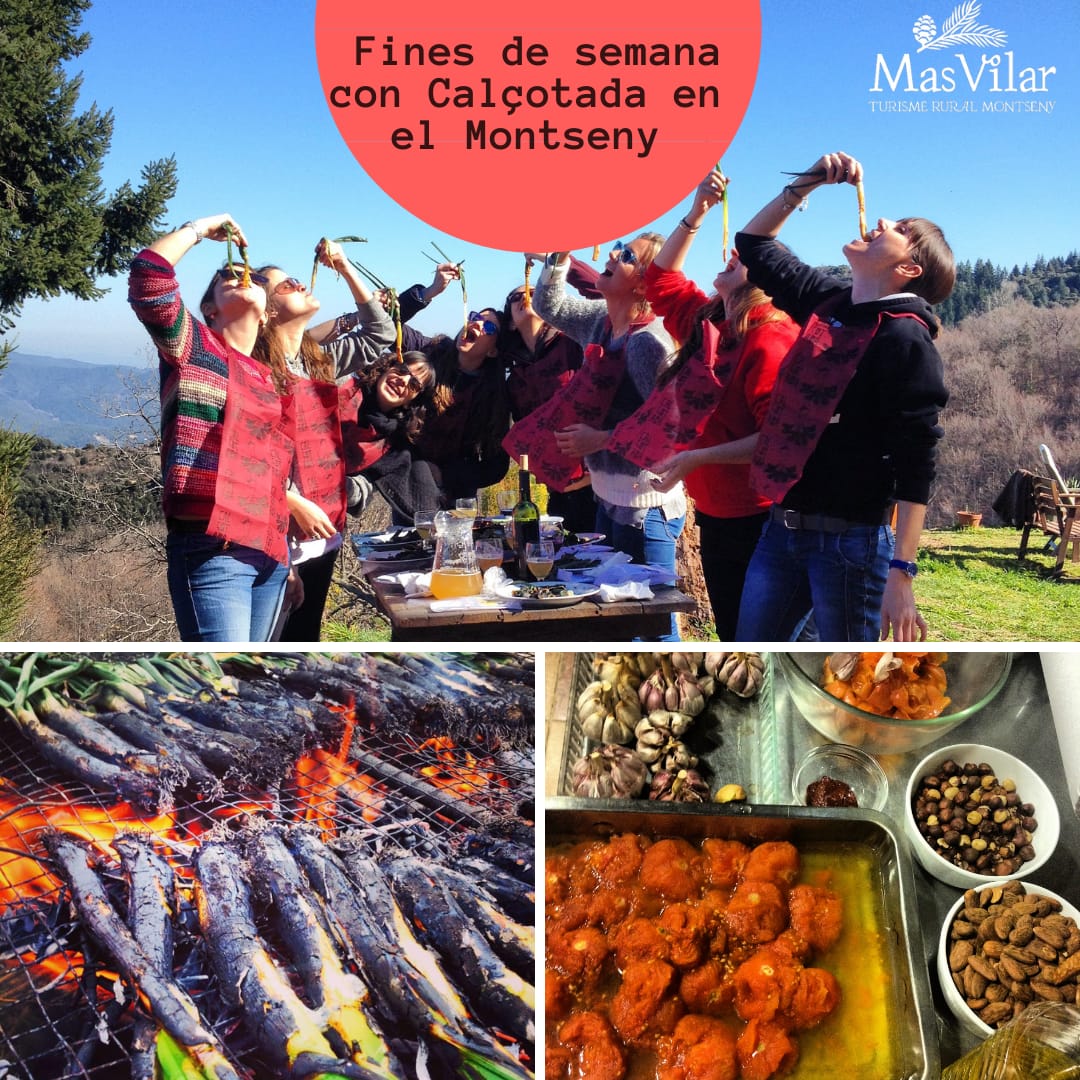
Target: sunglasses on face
487 325
623 253
236 273
412 384
516 297
290 284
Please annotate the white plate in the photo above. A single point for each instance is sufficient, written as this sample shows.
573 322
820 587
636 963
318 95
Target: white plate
577 592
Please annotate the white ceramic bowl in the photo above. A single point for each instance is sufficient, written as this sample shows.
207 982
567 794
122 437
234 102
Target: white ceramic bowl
953 998
847 764
1029 786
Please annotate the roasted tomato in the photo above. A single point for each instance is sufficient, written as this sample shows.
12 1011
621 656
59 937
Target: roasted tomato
685 928
578 955
756 912
765 985
709 989
672 869
619 859
765 1049
556 879
557 997
776 861
700 1048
645 1005
817 994
724 860
595 1048
817 916
640 939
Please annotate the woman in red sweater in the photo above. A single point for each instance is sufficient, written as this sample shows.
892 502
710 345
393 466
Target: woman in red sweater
227 441
739 332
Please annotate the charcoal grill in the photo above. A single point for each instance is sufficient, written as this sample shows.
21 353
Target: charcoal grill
62 1008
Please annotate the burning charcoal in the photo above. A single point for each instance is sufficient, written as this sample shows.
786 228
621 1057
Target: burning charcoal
499 996
329 987
286 1029
516 859
171 1006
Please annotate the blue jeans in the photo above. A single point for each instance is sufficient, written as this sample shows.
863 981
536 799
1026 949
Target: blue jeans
654 542
223 592
841 576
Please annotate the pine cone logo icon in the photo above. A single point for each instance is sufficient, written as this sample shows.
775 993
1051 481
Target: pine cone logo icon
960 28
924 30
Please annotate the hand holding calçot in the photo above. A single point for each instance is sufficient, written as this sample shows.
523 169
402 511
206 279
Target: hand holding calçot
331 254
213 228
709 192
838 168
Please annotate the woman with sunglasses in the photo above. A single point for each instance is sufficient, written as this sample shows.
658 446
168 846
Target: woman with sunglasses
627 344
740 337
384 425
226 442
540 361
317 488
462 436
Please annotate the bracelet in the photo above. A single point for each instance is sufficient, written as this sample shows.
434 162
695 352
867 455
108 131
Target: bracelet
194 228
687 226
800 204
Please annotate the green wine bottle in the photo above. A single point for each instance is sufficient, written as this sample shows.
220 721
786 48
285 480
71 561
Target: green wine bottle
526 517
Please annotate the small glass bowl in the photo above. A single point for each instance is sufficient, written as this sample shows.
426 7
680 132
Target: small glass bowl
850 766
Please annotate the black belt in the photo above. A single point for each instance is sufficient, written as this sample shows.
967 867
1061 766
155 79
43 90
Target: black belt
795 519
186 525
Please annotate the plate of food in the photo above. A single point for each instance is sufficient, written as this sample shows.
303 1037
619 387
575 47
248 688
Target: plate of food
545 594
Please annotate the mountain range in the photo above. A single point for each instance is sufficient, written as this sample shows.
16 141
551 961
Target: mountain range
72 402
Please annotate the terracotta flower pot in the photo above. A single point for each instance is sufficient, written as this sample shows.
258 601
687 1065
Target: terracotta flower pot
968 519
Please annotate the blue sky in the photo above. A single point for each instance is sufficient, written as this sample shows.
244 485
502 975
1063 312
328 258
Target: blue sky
232 89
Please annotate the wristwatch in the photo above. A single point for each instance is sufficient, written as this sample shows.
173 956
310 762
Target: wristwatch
909 568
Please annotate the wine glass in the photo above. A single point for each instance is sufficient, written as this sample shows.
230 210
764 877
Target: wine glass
506 501
465 508
489 553
424 523
540 558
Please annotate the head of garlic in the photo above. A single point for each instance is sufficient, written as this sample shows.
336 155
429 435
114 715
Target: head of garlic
609 772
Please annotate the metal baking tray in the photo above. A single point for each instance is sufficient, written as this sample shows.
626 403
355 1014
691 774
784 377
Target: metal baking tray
889 888
737 740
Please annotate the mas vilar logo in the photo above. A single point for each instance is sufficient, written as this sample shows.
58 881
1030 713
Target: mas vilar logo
971 59
960 28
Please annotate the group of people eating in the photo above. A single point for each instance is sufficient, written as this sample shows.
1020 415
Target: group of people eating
798 411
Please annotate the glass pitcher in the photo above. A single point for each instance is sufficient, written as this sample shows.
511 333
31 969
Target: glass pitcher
455 571
1042 1043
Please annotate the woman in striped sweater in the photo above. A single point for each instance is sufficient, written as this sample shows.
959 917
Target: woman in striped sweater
226 442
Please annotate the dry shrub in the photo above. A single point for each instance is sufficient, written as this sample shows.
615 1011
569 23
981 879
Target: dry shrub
113 590
1012 386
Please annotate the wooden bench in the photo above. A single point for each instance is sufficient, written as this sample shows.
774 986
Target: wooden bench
1057 515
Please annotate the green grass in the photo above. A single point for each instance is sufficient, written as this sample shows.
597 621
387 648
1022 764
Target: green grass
971 587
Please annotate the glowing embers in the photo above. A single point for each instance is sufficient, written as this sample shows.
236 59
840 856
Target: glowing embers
457 768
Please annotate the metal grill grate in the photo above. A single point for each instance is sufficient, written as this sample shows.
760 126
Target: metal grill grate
59 1020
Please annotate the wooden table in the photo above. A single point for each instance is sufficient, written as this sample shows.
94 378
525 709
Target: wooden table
413 619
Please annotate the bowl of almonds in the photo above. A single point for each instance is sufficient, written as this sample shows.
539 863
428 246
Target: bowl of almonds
1004 947
976 814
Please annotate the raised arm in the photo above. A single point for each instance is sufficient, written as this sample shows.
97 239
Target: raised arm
838 168
580 319
175 245
677 246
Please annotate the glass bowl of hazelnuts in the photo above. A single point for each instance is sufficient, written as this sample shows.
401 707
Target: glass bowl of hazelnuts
976 814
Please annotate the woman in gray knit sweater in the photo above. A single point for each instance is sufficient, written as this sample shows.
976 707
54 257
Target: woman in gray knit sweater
632 345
